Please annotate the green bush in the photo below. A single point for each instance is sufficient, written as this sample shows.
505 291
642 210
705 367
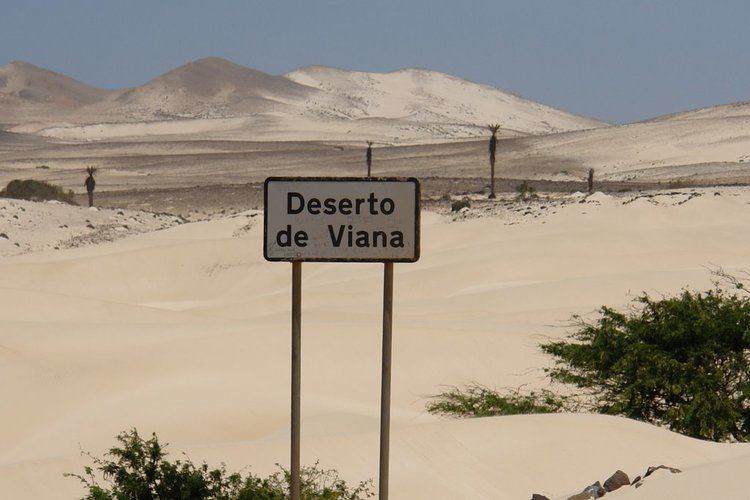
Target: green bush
32 190
138 469
683 362
479 401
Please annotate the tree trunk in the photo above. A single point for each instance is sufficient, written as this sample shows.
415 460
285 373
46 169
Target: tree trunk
492 178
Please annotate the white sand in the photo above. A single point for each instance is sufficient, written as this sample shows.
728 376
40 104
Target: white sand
27 226
185 332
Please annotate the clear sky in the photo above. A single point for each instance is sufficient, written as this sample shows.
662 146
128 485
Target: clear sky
620 61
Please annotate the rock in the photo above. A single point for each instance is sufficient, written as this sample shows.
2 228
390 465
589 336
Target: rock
651 470
596 490
582 496
616 480
537 496
593 491
4 236
90 226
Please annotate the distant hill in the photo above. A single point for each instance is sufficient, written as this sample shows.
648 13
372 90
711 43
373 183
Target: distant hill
426 96
208 88
733 110
30 93
214 97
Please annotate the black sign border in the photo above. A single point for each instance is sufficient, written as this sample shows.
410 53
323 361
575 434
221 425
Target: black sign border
417 212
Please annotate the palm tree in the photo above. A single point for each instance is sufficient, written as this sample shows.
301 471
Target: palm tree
369 158
90 184
493 147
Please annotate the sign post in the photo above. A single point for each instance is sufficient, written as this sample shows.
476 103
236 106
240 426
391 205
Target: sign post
385 380
341 220
296 376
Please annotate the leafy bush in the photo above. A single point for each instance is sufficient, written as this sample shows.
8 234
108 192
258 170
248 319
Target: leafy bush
32 190
479 401
683 362
138 469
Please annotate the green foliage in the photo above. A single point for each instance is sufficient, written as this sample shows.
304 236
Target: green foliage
32 190
683 362
525 191
479 401
138 469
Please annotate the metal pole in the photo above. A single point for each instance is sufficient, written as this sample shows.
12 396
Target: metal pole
385 385
296 378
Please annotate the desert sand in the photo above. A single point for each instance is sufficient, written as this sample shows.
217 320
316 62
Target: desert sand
184 331
157 311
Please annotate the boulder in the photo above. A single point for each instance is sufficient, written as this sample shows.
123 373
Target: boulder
616 480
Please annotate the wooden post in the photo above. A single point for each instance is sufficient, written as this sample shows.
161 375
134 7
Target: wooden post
385 385
294 468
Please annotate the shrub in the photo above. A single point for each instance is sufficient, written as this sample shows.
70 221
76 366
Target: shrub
682 362
479 401
525 191
458 205
32 190
138 469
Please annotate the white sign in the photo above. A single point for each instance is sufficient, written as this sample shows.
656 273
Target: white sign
341 219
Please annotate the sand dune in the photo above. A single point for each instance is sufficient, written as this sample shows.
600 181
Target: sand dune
429 96
184 332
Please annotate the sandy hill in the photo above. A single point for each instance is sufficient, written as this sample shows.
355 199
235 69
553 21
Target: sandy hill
422 95
215 98
211 87
732 110
29 93
713 148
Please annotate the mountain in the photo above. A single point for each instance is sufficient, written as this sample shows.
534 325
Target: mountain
211 87
215 98
29 93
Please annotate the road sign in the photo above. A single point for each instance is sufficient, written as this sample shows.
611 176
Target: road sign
341 219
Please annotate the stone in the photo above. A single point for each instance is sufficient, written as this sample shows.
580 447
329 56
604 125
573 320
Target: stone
593 491
651 470
537 496
582 496
616 480
596 490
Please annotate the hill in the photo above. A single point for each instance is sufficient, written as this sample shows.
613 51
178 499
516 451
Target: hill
215 98
29 93
425 96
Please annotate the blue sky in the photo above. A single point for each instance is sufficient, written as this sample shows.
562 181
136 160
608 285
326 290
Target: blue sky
621 61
